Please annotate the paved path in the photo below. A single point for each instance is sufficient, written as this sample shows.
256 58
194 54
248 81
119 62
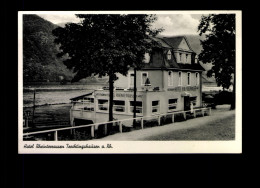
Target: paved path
221 112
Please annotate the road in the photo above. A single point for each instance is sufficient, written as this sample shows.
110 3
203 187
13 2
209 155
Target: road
221 112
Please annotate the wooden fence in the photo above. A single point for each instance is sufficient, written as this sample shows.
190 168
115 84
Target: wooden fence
120 122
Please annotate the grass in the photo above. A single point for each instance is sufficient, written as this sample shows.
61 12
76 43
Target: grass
222 129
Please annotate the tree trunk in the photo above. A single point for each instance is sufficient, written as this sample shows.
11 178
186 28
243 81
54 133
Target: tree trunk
233 102
108 126
111 96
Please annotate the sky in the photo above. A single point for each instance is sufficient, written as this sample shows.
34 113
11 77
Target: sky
173 24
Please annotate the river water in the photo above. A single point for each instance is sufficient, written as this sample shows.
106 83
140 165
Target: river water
54 94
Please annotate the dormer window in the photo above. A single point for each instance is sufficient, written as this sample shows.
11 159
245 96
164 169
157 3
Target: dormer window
146 57
196 59
169 55
187 57
180 57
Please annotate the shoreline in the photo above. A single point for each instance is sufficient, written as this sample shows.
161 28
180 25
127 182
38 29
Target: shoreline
42 105
52 112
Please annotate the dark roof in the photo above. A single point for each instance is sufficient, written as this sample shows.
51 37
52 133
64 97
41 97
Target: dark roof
161 42
174 42
159 60
80 97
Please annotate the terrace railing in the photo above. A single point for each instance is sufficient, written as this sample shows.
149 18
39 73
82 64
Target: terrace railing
156 117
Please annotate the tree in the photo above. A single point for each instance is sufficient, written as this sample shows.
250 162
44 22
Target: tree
219 48
104 45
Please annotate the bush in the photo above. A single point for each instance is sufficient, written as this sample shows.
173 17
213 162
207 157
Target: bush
224 97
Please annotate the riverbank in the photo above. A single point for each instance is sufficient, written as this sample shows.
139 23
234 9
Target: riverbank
219 126
45 113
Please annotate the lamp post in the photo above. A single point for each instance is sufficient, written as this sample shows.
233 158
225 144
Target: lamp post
27 115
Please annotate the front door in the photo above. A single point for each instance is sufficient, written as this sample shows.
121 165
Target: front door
186 103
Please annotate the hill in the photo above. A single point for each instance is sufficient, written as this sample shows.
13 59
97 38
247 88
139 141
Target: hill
40 63
39 52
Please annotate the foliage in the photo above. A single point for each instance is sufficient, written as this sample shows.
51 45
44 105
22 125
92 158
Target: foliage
219 46
39 51
104 44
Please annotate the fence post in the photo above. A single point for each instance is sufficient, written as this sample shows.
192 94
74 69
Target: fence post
56 135
142 123
184 115
92 131
194 115
172 118
72 131
209 111
106 129
159 120
202 112
120 127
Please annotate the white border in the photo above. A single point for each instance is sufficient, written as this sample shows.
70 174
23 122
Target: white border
137 146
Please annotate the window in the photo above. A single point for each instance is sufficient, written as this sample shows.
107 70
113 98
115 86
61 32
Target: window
172 104
193 100
88 104
118 106
169 55
131 82
188 77
144 77
196 59
155 106
146 57
170 78
88 100
139 107
197 78
180 79
187 57
103 104
87 108
78 105
85 104
180 57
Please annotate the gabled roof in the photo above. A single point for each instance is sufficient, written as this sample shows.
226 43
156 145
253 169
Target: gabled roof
174 42
160 42
159 61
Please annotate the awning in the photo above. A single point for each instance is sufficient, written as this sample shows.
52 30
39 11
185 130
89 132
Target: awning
80 97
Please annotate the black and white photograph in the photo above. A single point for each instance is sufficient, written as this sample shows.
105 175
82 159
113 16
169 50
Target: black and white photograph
130 81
